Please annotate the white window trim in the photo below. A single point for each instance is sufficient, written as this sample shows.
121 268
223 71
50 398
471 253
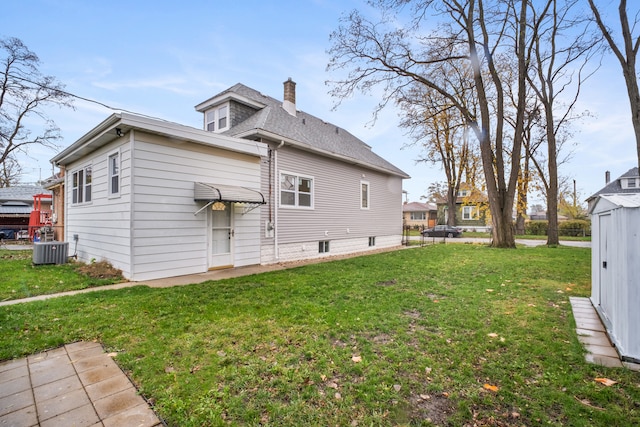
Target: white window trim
84 185
297 205
472 212
112 195
368 195
216 118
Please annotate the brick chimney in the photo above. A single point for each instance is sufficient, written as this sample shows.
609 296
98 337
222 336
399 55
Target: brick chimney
289 103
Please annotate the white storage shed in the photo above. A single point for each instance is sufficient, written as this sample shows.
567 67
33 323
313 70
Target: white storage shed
615 269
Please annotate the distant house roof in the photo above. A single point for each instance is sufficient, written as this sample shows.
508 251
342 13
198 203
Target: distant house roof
302 130
615 186
419 207
21 193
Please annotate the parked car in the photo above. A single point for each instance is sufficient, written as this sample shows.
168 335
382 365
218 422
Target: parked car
442 231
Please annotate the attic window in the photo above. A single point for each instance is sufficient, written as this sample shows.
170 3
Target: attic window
631 183
217 119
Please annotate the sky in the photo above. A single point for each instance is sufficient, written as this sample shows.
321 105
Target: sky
162 58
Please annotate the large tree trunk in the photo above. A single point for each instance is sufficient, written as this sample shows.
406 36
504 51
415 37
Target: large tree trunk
452 196
552 191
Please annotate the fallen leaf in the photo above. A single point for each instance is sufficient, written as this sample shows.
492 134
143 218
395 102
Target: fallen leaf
491 387
425 397
492 335
531 305
338 396
112 354
606 381
502 339
356 359
587 403
428 370
332 385
195 369
397 387
489 290
323 377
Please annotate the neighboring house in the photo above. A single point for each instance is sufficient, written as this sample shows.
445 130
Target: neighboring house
615 271
470 206
627 183
420 215
262 183
55 184
16 204
327 191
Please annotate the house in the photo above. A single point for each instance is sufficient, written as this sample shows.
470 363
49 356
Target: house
260 183
615 271
327 192
627 183
470 208
55 185
419 215
139 193
16 204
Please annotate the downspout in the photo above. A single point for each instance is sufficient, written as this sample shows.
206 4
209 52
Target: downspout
276 248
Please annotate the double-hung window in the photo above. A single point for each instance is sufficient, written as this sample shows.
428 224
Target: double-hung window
114 174
468 212
81 185
364 195
217 119
296 191
418 216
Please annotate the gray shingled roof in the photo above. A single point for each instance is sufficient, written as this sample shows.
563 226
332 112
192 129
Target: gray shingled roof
22 193
614 187
306 129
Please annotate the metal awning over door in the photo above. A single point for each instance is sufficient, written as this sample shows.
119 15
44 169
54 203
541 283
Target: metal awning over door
211 193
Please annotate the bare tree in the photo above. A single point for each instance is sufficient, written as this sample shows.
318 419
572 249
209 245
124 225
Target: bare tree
626 53
10 171
24 95
559 52
474 35
442 134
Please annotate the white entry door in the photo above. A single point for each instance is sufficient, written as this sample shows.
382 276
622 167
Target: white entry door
221 237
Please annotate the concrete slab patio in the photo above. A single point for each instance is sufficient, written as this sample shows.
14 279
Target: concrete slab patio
75 385
593 336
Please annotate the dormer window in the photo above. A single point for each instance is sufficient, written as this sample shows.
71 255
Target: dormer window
631 183
217 119
463 193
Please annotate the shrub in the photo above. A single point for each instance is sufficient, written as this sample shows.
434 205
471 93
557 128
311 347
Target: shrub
576 227
537 228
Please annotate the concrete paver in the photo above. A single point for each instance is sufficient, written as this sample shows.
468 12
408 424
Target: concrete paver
75 385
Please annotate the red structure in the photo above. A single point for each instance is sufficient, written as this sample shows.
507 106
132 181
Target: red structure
39 218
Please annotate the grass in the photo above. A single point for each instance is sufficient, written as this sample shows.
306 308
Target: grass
22 279
397 338
478 234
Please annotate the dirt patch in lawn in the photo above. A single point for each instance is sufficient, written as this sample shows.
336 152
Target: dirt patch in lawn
100 270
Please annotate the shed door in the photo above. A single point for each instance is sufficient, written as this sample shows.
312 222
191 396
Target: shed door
221 237
606 274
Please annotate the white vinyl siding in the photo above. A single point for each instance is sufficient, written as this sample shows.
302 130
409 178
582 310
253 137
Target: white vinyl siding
150 231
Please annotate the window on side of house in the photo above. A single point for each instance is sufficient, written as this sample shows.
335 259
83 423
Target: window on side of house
463 193
364 195
296 191
631 183
323 246
81 181
418 216
372 241
468 212
217 119
114 174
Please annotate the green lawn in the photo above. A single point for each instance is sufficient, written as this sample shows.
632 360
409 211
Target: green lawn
396 338
21 279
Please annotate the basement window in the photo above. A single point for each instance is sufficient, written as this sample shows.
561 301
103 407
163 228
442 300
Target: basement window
323 246
372 241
